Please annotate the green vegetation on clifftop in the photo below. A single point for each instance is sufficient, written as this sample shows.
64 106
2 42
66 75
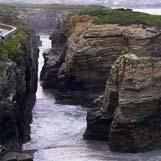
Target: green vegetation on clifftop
14 46
121 16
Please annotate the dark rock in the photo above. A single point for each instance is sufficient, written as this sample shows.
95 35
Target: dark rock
97 125
18 85
53 60
39 43
99 118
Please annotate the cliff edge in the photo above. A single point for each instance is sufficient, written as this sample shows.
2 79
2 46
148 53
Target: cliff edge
18 84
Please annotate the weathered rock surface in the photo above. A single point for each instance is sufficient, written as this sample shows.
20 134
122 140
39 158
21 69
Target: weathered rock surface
131 106
56 71
18 85
128 115
84 64
80 65
53 59
136 122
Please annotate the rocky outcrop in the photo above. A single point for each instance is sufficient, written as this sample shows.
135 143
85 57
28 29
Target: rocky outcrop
53 59
85 56
58 61
136 122
18 85
128 114
86 61
131 106
79 65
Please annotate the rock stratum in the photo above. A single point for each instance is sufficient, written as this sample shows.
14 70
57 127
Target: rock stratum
82 63
136 118
128 113
18 85
115 70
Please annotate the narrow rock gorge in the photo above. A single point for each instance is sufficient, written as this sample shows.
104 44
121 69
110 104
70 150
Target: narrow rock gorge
106 60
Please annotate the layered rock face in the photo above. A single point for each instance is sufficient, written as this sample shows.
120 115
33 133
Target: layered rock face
80 60
89 53
56 71
42 17
136 122
140 40
79 65
129 112
18 85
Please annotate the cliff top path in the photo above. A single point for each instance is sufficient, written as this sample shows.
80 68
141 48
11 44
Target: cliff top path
6 30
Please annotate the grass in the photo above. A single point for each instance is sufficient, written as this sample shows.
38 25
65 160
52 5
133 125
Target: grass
121 16
14 46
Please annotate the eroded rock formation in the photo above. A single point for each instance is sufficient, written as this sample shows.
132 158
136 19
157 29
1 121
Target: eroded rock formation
87 59
80 60
79 65
130 112
136 122
140 40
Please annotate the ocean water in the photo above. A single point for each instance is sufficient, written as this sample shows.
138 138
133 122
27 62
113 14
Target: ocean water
150 11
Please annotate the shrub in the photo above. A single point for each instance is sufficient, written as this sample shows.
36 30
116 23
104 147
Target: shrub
14 46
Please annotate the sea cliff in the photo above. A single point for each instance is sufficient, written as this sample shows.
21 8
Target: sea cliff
18 84
108 60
